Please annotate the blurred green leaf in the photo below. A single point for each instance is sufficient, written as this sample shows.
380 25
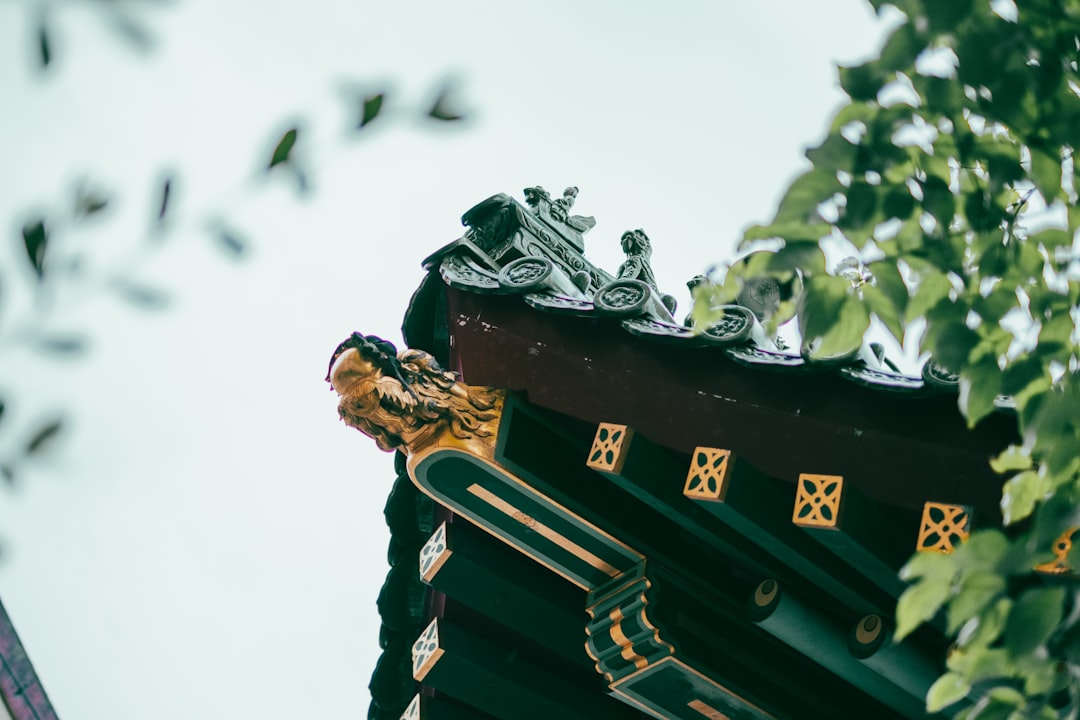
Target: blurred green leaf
44 43
40 439
979 386
284 148
165 197
443 109
862 82
1046 173
144 296
61 344
832 319
938 200
370 109
36 241
919 603
946 690
1010 459
799 204
1033 619
977 590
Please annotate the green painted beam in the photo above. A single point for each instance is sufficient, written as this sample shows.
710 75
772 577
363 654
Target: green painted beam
492 578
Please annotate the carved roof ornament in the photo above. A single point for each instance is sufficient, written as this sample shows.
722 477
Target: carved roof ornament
405 401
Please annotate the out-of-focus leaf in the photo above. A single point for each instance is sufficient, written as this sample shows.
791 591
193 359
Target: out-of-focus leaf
62 344
7 472
836 153
861 205
944 16
977 590
1010 459
862 82
1046 173
1033 619
36 241
41 437
946 690
89 201
2 407
230 241
804 195
130 29
979 386
831 318
144 296
443 109
44 43
938 200
370 108
283 148
165 197
919 603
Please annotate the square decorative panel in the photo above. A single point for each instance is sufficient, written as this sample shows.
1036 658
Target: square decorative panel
817 501
707 479
609 448
944 526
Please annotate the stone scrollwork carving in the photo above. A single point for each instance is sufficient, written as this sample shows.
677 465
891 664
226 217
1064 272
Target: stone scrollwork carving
405 401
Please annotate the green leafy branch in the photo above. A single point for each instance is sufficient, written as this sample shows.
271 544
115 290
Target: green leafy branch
950 180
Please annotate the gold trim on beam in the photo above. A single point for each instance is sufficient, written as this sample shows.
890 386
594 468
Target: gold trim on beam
624 642
610 447
707 710
818 501
541 529
943 527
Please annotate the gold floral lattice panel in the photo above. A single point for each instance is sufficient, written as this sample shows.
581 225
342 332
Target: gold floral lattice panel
707 479
944 526
609 447
817 501
1060 564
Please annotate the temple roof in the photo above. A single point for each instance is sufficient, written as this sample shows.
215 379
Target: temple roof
877 463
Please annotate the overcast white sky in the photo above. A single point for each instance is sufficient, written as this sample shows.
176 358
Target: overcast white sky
207 540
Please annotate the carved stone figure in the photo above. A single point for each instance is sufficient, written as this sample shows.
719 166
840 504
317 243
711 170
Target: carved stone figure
405 400
637 266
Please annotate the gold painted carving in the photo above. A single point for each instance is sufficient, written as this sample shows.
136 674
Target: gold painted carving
944 526
707 710
817 501
707 478
1060 564
405 401
609 448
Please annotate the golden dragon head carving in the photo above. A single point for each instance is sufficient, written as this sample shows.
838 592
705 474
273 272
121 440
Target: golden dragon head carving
405 401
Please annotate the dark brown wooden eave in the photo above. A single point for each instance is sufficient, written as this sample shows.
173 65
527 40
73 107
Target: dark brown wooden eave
899 451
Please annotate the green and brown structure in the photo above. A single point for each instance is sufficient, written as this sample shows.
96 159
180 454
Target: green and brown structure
602 512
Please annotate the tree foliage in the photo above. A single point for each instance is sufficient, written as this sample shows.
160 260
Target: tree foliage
950 181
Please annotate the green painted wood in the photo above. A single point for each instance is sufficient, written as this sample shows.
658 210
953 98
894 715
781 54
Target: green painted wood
492 578
755 508
782 614
499 680
441 707
523 516
868 541
737 658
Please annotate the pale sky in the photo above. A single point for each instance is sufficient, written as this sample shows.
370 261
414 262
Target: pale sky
207 539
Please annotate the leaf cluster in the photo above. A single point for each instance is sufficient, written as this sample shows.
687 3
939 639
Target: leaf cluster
950 181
